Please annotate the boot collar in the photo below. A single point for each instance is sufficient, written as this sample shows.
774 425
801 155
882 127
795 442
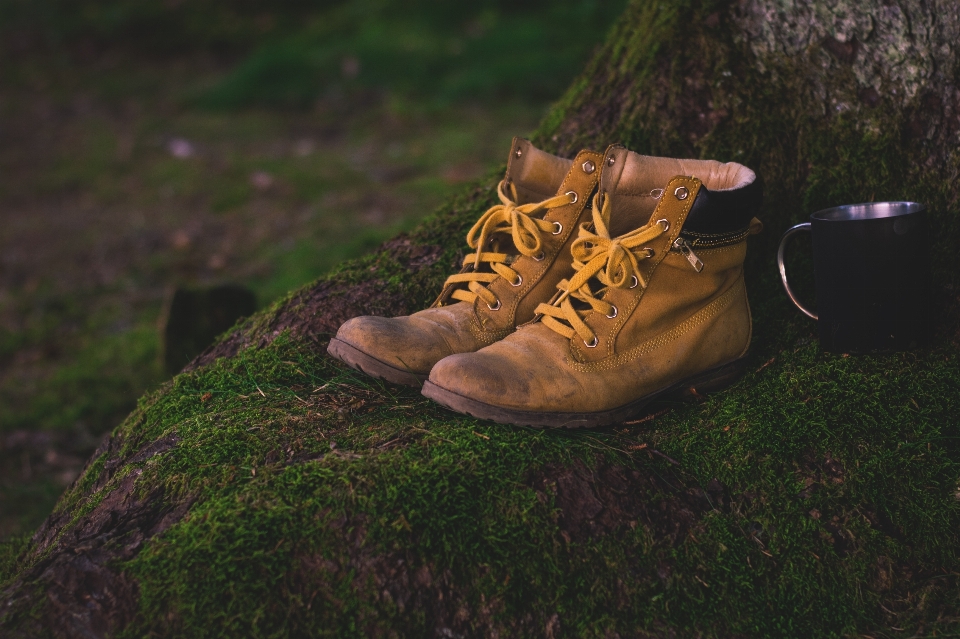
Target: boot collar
536 174
728 199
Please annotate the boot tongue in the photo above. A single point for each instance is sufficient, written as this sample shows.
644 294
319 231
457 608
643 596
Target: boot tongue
635 186
536 174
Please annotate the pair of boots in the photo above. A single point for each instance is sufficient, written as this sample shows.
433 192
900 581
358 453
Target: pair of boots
596 286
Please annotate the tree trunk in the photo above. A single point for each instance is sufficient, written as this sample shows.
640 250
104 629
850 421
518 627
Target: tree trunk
267 490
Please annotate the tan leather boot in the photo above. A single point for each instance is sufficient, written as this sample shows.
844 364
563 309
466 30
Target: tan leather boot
521 251
654 303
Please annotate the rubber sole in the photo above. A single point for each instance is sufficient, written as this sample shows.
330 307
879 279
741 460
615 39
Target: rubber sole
700 384
357 359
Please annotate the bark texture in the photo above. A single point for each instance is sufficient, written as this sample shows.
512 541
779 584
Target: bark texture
831 102
266 491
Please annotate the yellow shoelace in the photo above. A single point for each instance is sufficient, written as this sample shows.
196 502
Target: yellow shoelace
525 231
614 262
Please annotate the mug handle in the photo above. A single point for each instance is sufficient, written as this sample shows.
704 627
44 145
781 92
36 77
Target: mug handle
783 267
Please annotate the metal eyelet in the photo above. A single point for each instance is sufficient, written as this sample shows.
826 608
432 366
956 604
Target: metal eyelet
613 313
611 160
559 228
664 224
495 308
538 257
681 193
575 197
518 152
518 282
649 252
589 167
635 281
592 344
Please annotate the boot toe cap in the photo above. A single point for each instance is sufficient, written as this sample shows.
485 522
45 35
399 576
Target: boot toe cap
479 377
513 374
395 341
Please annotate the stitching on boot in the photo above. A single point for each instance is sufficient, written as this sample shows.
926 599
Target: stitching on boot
685 207
712 251
488 337
706 313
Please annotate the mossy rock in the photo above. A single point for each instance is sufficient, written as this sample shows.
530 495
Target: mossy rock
269 491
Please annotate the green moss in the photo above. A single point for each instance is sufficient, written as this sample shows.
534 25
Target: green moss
386 476
397 479
10 549
614 100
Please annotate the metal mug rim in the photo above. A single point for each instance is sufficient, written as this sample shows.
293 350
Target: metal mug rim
867 211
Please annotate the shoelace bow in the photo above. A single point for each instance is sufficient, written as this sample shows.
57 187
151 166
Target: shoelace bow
524 229
614 262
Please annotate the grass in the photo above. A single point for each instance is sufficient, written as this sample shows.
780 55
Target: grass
94 386
414 48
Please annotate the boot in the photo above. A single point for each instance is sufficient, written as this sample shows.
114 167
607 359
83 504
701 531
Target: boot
521 250
654 304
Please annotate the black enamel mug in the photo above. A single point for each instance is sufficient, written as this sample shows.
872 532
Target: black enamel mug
872 275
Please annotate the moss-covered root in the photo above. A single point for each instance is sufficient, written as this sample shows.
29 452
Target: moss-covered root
277 494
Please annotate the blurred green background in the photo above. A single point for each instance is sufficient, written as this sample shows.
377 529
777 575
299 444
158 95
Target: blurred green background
161 143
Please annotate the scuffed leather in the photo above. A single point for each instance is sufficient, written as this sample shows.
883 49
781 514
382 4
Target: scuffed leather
683 323
415 343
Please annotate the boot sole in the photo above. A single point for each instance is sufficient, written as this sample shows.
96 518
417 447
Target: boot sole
358 360
700 384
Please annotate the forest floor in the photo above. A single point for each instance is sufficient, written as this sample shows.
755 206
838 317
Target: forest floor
101 220
118 186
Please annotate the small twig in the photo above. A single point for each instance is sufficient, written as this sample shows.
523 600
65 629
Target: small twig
424 430
261 392
649 417
606 445
480 435
765 364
